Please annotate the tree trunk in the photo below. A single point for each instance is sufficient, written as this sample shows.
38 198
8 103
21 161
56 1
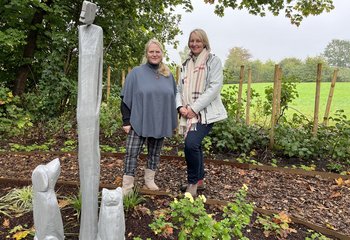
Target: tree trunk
28 52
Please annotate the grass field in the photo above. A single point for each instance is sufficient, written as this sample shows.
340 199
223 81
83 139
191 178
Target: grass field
306 101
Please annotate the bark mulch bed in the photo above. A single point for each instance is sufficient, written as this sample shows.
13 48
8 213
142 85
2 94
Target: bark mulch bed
320 201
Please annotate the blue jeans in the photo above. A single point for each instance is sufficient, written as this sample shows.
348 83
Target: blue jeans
194 153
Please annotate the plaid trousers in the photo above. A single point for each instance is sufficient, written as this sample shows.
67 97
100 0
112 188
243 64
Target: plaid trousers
134 146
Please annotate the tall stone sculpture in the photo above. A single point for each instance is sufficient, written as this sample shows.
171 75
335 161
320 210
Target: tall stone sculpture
47 216
89 100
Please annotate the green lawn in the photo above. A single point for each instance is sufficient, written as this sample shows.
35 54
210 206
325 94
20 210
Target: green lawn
306 101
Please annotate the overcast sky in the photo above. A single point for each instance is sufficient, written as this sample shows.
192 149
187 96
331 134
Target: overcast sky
265 37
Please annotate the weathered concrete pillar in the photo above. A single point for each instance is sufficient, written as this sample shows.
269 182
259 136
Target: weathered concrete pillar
89 100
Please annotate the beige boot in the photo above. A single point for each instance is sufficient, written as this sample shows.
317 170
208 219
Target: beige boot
192 189
128 184
149 179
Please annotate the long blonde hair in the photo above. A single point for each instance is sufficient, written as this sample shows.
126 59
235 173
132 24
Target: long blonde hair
202 36
163 68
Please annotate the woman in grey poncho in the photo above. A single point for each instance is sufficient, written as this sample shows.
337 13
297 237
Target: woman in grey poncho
149 113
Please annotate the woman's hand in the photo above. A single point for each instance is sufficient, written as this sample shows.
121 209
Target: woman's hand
183 111
127 128
190 113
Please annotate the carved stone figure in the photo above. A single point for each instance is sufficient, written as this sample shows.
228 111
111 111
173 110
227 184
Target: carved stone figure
89 100
47 216
111 223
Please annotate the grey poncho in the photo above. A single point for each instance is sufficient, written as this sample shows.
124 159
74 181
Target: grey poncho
151 100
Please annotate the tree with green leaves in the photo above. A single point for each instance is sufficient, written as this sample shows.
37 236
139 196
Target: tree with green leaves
337 53
295 10
237 57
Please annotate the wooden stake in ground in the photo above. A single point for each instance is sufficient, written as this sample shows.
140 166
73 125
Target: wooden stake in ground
178 74
274 105
247 116
123 77
239 100
330 97
279 89
108 81
317 98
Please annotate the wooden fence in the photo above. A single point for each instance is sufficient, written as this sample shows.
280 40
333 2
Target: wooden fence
276 100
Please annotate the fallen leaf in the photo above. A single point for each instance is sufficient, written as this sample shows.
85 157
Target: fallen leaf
339 181
6 223
20 235
335 195
168 230
63 203
312 189
242 172
328 225
118 181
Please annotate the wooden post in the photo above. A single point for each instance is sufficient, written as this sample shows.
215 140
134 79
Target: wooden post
274 105
240 87
123 77
317 98
178 74
247 115
108 81
279 90
330 97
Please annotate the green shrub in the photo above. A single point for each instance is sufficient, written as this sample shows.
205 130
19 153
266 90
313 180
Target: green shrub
14 120
233 136
110 115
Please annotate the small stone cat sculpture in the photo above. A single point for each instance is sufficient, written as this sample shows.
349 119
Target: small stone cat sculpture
111 224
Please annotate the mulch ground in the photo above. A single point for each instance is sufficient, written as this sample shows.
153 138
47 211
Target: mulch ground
320 201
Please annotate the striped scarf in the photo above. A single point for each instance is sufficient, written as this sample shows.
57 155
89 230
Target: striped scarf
193 87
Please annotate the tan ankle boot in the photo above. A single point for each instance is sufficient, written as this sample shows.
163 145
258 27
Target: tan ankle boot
149 179
128 184
192 189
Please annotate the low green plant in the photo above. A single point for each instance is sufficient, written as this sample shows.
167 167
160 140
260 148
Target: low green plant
277 225
316 236
106 148
131 200
17 200
311 167
160 226
334 167
34 147
190 217
69 145
243 158
122 149
21 232
237 214
167 148
274 162
75 201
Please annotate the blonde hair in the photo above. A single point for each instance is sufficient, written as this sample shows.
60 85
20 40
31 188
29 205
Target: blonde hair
163 68
202 36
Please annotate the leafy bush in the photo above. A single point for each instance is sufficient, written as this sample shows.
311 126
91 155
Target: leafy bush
288 93
330 142
110 115
14 120
190 217
233 136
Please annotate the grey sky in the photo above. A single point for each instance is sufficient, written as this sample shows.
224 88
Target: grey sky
265 37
